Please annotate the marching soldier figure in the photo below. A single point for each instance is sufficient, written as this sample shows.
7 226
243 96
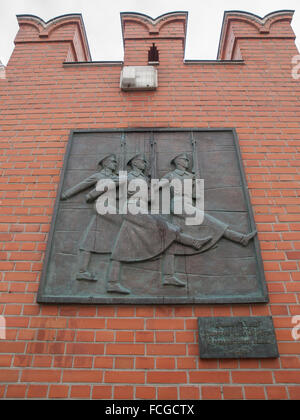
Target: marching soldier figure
92 240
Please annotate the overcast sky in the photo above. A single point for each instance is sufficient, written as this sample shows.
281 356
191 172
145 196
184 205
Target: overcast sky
102 21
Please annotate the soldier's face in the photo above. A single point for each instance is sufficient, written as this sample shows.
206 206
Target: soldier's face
182 162
111 164
139 163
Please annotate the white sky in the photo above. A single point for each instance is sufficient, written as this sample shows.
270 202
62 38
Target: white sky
103 28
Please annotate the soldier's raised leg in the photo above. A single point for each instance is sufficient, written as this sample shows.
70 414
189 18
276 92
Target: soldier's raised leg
238 237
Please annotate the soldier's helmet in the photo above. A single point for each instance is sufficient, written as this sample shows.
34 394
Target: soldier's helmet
106 159
181 156
139 156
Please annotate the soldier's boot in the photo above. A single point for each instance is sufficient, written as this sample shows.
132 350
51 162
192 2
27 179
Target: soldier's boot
113 284
169 277
83 273
238 237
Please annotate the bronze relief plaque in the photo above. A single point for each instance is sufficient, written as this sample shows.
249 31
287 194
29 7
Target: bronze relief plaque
153 258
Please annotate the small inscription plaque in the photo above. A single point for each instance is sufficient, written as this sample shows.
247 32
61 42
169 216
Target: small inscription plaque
237 337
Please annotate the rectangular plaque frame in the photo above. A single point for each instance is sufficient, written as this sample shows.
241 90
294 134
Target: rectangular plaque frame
244 337
228 290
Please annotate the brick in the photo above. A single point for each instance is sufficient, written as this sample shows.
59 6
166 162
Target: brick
130 349
21 360
250 377
186 363
5 360
294 392
185 337
222 311
68 311
161 324
167 393
209 377
65 335
232 393
289 348
124 336
87 311
17 298
293 255
126 311
142 311
16 391
9 375
291 362
276 393
189 393
164 311
39 322
124 363
63 361
145 392
228 363
46 335
85 348
124 377
104 336
102 392
40 375
254 393
12 347
144 336
89 376
87 323
83 362
123 392
37 391
193 350
164 337
211 392
80 391
184 311
58 391
165 363
144 363
42 361
166 349
191 324
85 336
289 377
103 362
45 348
127 324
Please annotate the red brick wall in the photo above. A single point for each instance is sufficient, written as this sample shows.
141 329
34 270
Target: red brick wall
78 351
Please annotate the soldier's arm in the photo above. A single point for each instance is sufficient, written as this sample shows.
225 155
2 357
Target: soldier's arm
83 185
94 194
